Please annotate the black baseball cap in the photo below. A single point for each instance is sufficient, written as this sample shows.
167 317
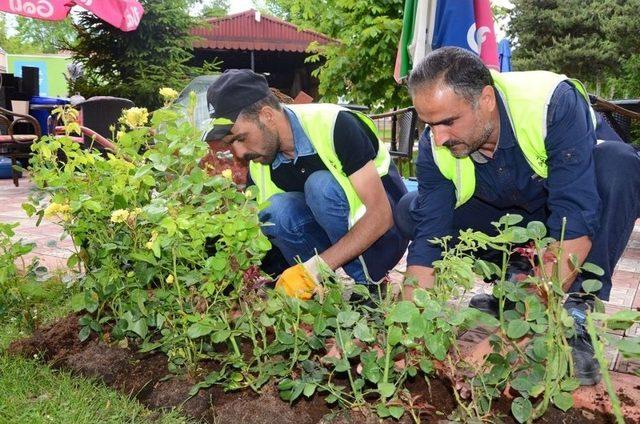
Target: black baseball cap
233 91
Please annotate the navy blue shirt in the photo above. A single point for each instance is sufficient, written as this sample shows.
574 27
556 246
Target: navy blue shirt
507 181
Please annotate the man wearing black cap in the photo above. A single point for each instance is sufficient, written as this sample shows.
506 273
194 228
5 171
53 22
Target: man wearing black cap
330 183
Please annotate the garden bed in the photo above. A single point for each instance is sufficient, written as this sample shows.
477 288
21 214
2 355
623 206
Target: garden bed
174 310
147 378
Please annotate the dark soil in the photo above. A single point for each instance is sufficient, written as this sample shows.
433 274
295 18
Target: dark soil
146 377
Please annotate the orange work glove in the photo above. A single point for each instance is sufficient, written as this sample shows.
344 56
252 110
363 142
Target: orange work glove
301 280
295 281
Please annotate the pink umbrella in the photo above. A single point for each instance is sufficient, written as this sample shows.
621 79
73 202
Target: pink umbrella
123 14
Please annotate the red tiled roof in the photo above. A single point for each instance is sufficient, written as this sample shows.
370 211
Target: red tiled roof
250 30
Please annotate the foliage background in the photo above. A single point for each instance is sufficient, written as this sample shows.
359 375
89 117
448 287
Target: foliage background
360 67
596 41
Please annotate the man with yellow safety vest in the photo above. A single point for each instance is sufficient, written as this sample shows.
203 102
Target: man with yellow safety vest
521 143
330 184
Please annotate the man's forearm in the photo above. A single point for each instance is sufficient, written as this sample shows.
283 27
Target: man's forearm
363 234
423 275
579 247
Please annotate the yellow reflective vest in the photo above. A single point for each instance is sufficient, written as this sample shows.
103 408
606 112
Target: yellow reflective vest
526 96
318 122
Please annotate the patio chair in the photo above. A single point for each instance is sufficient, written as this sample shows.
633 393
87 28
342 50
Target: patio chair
400 129
619 114
100 113
17 146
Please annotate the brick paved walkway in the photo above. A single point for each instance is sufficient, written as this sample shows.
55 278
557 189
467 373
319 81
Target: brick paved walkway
52 252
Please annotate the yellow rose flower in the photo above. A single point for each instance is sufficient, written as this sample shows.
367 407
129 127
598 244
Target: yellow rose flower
58 210
120 215
135 117
227 174
154 236
168 94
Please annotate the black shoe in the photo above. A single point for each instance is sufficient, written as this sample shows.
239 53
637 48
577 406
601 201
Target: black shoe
488 303
585 365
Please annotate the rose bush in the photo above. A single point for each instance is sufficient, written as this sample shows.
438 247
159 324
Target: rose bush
160 242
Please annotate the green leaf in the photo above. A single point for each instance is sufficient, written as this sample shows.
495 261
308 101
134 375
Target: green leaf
421 297
200 329
77 302
319 325
521 409
342 365
522 384
539 348
432 309
426 366
570 384
382 410
517 328
436 345
396 411
309 389
510 219
331 399
29 209
590 286
395 335
84 333
363 332
536 230
629 346
563 400
386 390
73 260
298 387
220 336
593 268
92 205
285 338
139 327
266 320
416 326
348 318
517 235
403 311
625 315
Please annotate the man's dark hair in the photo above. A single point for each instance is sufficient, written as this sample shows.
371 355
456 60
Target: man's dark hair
460 69
252 111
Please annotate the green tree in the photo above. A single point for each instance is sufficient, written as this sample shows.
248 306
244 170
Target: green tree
136 64
48 37
585 39
215 8
622 19
359 65
12 43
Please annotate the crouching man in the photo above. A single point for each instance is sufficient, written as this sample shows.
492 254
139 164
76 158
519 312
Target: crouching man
329 181
521 143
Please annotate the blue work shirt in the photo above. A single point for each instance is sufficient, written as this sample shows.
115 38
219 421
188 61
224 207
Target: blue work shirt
301 144
507 181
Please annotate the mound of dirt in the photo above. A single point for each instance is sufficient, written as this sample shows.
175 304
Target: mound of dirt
147 378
